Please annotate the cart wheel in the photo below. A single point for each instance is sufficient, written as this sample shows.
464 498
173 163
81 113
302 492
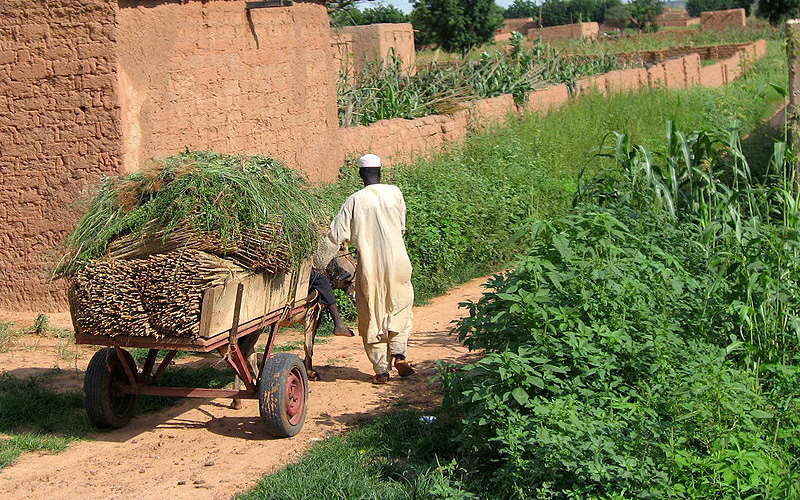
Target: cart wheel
283 394
105 404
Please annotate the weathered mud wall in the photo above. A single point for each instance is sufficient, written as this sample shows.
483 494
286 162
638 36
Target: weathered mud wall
354 46
94 87
59 131
720 19
213 75
566 31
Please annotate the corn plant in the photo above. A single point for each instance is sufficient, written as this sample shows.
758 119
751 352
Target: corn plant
748 226
382 90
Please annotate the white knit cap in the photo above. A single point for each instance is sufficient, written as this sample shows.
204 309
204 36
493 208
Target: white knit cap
369 161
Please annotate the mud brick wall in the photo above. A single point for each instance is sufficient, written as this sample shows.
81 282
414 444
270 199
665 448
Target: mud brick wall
519 24
720 19
398 140
59 131
566 31
212 76
358 45
705 53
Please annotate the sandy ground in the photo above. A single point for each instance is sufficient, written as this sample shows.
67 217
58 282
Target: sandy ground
201 449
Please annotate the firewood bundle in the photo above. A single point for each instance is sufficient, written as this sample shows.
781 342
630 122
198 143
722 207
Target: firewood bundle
259 250
160 295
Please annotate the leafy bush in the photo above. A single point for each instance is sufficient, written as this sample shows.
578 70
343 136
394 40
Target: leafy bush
455 25
595 383
642 349
352 16
696 7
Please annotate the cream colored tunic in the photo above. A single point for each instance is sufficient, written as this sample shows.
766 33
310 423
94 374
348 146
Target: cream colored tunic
374 220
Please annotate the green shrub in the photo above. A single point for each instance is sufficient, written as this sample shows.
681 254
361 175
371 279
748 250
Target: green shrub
595 384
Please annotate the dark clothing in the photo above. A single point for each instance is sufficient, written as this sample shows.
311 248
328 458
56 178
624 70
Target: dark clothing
320 282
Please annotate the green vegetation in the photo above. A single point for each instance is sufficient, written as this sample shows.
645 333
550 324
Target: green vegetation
352 16
627 355
528 170
35 418
778 11
7 334
381 91
210 193
631 43
455 25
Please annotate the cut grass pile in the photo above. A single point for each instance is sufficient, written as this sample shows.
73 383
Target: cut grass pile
212 195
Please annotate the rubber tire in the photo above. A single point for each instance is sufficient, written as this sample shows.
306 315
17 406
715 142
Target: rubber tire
105 408
283 415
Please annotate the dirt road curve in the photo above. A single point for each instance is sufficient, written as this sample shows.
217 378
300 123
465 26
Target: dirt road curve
201 449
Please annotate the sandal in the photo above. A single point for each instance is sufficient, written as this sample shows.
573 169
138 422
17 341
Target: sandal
380 378
403 367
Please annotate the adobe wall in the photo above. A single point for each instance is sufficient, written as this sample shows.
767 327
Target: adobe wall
59 132
398 140
519 24
676 19
720 19
706 53
358 45
96 87
566 31
211 76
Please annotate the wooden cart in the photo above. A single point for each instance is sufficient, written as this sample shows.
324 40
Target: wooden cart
233 316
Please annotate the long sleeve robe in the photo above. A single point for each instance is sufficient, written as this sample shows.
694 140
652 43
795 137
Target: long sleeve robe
374 220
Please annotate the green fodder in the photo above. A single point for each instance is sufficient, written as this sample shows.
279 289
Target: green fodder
209 193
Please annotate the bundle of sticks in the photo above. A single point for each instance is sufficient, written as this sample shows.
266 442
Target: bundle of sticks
259 250
159 295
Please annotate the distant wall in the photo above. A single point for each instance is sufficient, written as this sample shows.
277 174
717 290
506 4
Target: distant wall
59 130
355 46
676 18
566 31
720 19
706 53
519 24
398 140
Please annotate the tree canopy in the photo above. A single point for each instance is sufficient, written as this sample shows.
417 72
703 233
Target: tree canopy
521 8
644 12
353 16
695 7
456 25
778 11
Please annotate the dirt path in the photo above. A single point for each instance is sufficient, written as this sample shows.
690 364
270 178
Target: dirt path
201 449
